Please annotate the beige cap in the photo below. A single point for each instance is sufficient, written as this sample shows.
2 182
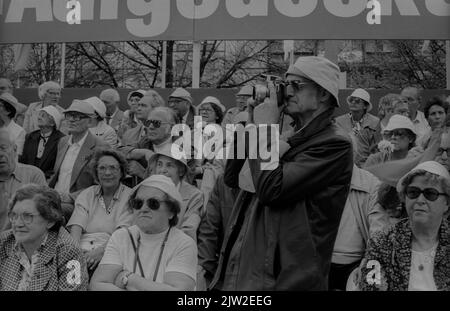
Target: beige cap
10 99
364 95
98 105
213 100
400 122
81 106
182 93
246 90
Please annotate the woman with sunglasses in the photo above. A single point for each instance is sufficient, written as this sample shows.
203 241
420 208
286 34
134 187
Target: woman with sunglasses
152 255
38 254
414 254
399 137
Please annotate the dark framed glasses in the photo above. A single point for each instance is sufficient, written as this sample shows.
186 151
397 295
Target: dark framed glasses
398 133
152 203
75 116
430 194
155 123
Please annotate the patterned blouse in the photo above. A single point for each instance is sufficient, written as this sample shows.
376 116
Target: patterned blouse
392 250
27 265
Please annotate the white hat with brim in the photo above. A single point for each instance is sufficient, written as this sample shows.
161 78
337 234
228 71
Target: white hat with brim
98 105
163 183
172 151
10 99
54 113
400 122
212 100
320 70
432 167
81 106
364 95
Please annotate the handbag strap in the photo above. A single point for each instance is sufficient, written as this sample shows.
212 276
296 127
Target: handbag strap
136 250
160 254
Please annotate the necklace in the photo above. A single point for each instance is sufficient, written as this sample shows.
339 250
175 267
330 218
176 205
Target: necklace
425 258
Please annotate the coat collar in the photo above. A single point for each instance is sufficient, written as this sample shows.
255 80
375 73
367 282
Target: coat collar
83 157
319 123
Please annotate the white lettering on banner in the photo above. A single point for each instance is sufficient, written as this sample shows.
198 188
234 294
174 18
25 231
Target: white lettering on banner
438 7
110 10
374 16
374 275
405 7
290 9
160 17
191 10
43 10
74 15
239 9
338 8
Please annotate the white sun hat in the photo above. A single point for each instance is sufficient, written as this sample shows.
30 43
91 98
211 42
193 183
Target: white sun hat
400 122
364 95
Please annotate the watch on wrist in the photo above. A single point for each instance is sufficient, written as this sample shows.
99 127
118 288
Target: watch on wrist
125 279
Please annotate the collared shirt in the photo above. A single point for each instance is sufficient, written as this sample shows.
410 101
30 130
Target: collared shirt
184 119
65 172
106 133
42 142
27 265
111 117
92 214
17 135
23 174
421 126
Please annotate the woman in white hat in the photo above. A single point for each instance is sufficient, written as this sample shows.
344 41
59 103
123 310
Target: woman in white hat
9 106
41 146
99 128
399 137
360 124
414 254
152 255
164 162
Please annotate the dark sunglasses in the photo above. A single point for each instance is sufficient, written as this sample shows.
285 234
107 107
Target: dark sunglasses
430 194
152 204
155 123
398 133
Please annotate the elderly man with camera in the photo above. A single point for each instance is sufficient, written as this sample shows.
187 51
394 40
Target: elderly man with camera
283 227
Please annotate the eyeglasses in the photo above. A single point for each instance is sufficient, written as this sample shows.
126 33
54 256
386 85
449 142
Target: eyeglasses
398 133
75 116
155 123
27 218
208 110
356 100
152 203
111 168
430 194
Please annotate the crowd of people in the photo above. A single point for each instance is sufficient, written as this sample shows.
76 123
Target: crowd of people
95 198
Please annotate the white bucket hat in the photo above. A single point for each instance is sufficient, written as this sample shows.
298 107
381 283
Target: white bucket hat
212 100
364 95
163 183
173 151
400 122
320 70
432 167
54 113
98 106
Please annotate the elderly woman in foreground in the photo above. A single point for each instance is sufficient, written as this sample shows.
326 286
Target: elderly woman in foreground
414 254
38 254
153 254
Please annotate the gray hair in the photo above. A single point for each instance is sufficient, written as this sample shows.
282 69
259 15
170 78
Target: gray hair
110 94
44 87
157 100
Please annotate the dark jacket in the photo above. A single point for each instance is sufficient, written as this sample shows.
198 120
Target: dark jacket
392 250
47 162
213 225
282 237
60 258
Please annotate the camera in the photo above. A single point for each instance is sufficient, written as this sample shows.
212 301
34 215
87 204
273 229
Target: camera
261 91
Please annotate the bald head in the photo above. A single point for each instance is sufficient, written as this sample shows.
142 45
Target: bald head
5 86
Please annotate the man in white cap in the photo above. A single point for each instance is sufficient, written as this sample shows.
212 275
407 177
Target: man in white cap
359 122
181 101
73 171
114 115
13 175
50 94
281 236
41 146
99 128
414 98
241 104
9 106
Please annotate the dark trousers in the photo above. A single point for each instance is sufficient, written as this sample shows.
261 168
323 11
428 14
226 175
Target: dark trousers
337 279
